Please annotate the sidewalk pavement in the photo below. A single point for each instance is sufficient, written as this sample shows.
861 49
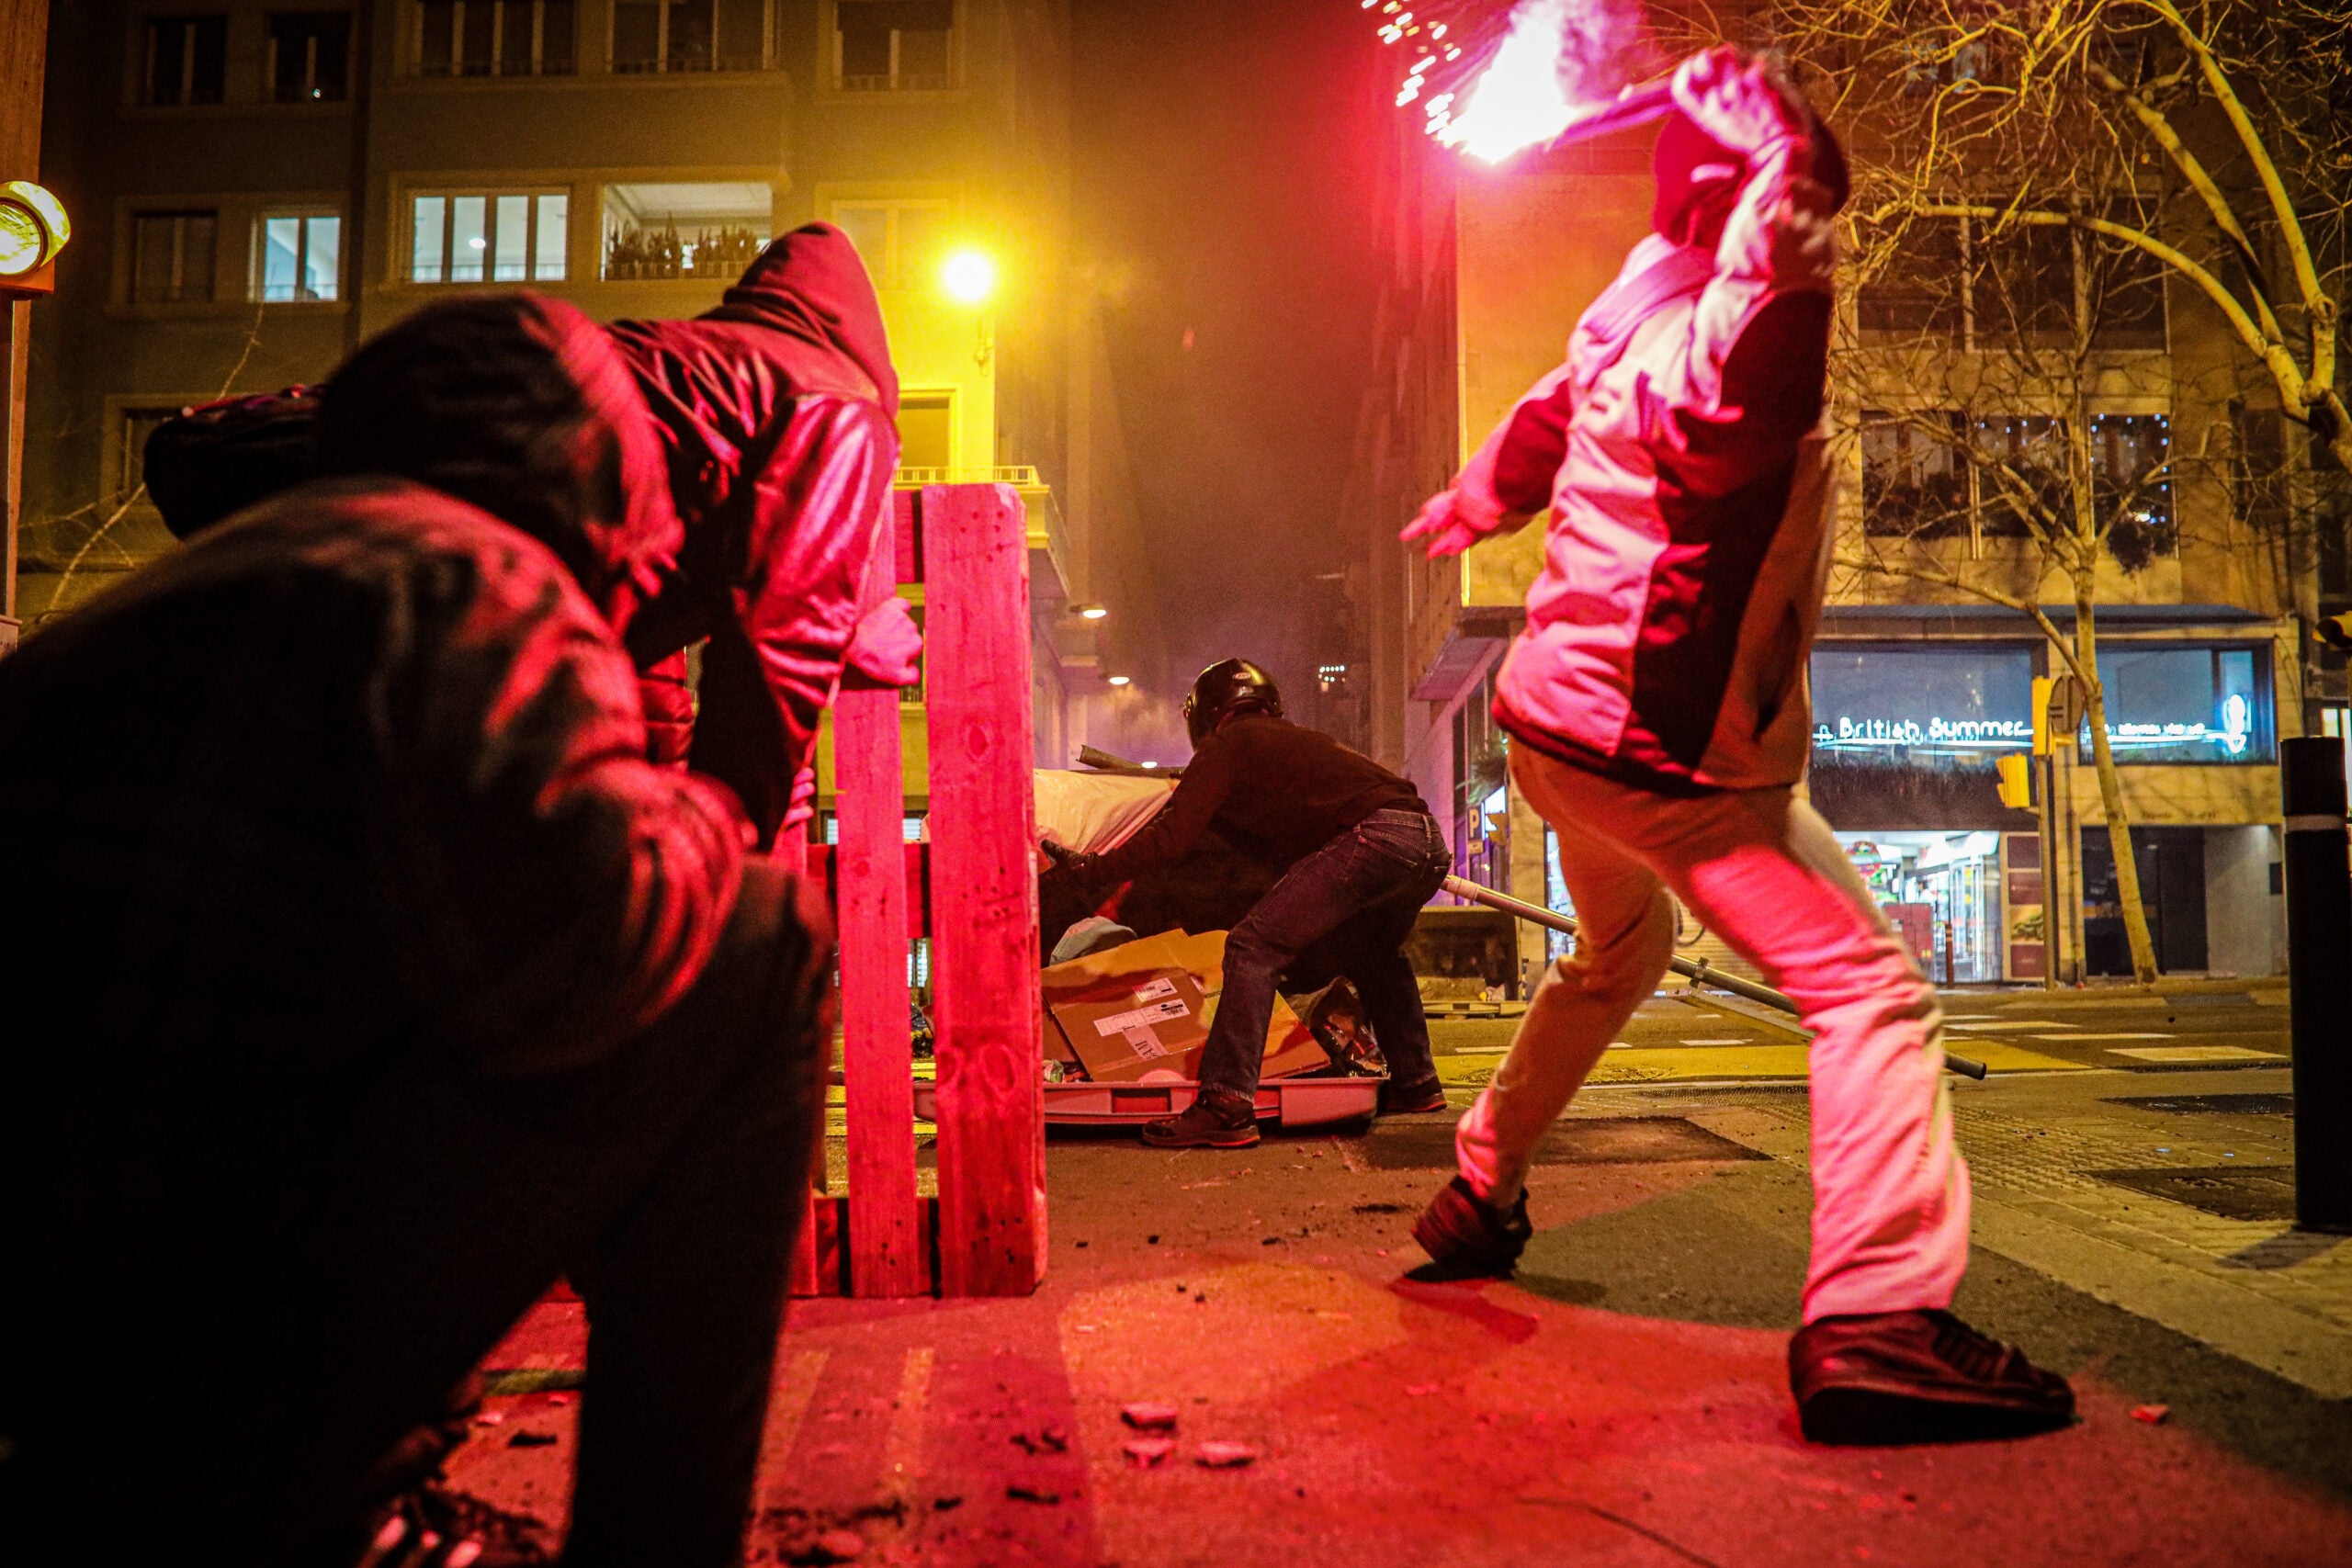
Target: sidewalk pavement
1624 1401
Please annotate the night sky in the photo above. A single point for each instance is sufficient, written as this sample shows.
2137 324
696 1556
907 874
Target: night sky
1223 158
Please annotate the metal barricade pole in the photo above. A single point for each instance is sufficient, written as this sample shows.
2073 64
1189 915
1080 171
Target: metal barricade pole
2319 954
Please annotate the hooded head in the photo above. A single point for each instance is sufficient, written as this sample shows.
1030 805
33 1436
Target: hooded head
1699 178
520 405
811 284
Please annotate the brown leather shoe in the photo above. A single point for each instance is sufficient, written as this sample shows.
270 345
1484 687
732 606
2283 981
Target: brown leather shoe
1917 1377
1468 1238
1209 1123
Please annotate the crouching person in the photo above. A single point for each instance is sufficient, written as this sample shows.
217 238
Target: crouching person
375 978
1360 855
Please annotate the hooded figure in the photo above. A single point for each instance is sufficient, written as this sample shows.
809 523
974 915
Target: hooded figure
1658 707
383 980
777 409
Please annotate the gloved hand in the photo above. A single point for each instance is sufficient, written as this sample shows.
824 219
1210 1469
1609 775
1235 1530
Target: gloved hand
1075 869
1743 103
886 649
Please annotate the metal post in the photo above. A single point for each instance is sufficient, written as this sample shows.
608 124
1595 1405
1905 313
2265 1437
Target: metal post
2319 953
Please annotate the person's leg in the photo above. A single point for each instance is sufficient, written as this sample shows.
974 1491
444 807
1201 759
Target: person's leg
685 1296
1626 934
1890 1224
1313 898
1369 949
467 1198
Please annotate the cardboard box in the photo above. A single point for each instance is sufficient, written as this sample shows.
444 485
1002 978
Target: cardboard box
1141 1012
1130 1013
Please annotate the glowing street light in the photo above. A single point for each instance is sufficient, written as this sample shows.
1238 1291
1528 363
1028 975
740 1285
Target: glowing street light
969 278
1115 680
33 229
1090 611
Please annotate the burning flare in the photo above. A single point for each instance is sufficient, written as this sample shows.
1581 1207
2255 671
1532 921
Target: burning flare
1559 61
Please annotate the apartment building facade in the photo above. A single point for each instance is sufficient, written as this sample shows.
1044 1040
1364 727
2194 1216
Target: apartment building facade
1918 685
263 183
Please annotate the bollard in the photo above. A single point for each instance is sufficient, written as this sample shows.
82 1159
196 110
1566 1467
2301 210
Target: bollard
2319 953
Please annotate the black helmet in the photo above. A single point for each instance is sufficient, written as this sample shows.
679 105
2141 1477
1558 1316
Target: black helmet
1228 686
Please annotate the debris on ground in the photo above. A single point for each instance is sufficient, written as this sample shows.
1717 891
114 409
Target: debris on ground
1052 1441
488 1417
1147 1452
1218 1455
2153 1415
532 1441
1145 1416
943 1504
1021 1492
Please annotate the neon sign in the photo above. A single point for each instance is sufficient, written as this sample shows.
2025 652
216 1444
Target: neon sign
1937 734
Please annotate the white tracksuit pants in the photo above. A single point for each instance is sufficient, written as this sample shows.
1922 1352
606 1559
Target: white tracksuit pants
1760 867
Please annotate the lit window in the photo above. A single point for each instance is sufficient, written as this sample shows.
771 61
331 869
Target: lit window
690 35
172 255
187 61
926 430
900 242
494 37
297 256
711 229
309 57
906 46
489 237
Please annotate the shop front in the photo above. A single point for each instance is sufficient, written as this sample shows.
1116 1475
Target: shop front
1909 725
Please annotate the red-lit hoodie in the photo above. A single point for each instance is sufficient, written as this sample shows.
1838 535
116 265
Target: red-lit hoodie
359 769
1680 452
778 411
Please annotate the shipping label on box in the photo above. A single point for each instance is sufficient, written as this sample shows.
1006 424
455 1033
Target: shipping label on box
1127 1027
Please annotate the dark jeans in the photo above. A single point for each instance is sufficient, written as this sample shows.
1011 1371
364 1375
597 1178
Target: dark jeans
1354 900
234 1404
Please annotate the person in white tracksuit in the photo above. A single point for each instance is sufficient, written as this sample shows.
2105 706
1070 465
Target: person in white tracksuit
1660 716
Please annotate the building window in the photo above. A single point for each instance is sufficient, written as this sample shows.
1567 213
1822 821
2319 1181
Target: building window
1938 710
926 437
138 425
2184 705
187 60
1937 474
690 35
495 38
711 229
1963 282
172 257
900 242
1915 482
885 46
309 57
488 237
297 256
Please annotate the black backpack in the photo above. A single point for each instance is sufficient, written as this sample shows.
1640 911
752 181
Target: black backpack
216 459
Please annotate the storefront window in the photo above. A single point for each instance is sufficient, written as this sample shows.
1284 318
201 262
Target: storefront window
1942 893
2186 705
1917 709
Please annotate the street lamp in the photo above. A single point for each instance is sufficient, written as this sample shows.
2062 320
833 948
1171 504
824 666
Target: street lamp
1115 680
1089 612
969 276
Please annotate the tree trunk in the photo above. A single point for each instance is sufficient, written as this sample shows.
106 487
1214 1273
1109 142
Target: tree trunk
2111 793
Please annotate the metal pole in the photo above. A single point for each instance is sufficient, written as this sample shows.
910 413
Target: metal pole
2319 953
1696 970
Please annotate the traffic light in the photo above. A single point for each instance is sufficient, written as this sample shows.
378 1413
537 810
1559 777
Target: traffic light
2041 684
2017 782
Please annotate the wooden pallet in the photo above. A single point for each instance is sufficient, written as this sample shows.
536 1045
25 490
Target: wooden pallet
973 890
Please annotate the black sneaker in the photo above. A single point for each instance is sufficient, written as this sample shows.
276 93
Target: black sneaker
1468 1238
1917 1377
1411 1100
1205 1125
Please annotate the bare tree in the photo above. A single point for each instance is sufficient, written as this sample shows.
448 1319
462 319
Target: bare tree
2028 179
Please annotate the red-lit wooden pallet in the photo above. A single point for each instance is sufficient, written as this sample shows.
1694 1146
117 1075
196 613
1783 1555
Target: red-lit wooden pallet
972 888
